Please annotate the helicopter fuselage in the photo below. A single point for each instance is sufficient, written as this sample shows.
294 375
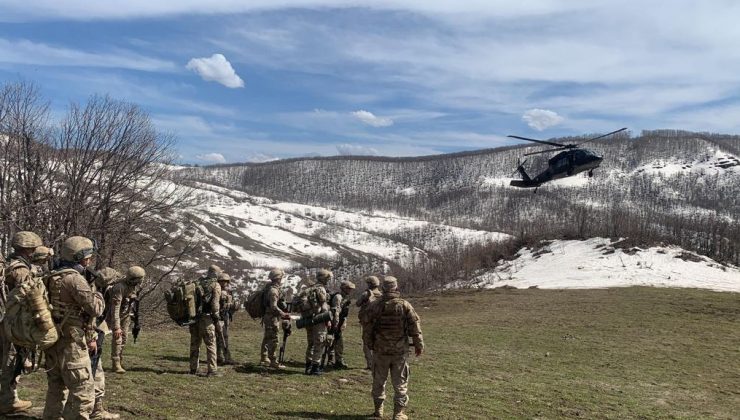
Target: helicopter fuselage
564 164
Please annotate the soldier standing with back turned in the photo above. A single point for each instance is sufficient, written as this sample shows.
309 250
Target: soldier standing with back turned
274 302
367 297
391 322
227 308
204 328
339 306
316 334
18 271
121 297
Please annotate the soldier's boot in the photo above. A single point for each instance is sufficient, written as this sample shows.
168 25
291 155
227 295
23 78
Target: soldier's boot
378 413
398 413
265 361
315 369
308 367
339 364
274 364
100 413
117 368
18 406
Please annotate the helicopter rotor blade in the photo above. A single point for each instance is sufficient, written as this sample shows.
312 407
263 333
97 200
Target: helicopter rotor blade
519 164
547 151
537 141
602 136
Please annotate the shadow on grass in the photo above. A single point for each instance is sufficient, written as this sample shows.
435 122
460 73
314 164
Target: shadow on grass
310 415
176 358
262 370
157 371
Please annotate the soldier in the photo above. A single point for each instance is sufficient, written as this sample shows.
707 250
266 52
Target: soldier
391 321
274 305
367 297
18 271
204 328
228 307
98 283
339 306
74 304
121 297
316 334
40 260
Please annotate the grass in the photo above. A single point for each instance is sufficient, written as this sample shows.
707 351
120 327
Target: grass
614 353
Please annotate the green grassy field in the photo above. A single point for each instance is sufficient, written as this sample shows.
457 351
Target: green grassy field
617 353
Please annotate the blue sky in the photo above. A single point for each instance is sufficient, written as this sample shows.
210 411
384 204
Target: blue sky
247 81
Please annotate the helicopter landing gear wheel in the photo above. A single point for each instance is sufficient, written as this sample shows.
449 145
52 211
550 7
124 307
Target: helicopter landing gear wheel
591 173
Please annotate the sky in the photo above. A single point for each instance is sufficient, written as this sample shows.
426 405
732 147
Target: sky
257 80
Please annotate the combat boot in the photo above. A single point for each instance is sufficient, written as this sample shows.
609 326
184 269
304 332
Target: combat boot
308 368
18 406
378 413
315 369
117 368
100 413
265 361
398 413
276 365
339 364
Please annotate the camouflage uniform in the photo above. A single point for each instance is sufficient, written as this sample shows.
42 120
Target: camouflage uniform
121 297
227 307
74 305
274 302
17 272
204 328
368 296
391 321
99 412
335 339
316 334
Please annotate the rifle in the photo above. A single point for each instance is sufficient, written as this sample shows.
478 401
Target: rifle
287 328
137 326
337 331
96 357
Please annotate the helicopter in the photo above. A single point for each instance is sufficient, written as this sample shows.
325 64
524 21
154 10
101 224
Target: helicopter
570 161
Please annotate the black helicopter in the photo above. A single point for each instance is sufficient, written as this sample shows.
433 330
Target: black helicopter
570 161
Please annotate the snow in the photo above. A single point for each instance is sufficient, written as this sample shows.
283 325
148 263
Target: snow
596 263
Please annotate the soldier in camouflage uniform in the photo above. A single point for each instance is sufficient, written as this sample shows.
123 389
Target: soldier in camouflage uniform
40 260
18 271
316 334
367 297
391 321
120 298
227 307
274 313
204 328
74 305
337 303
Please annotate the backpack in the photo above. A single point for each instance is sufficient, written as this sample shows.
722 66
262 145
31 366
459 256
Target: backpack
255 303
106 278
28 321
182 302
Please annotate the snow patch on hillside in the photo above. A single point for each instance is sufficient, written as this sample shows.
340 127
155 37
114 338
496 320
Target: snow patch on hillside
597 263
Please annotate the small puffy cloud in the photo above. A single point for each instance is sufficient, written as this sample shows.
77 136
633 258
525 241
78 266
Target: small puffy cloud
370 119
540 119
216 68
212 158
356 150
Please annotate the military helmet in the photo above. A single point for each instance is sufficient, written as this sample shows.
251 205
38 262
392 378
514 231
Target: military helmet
135 275
213 270
41 253
389 283
77 248
372 281
347 285
323 276
26 239
223 277
275 274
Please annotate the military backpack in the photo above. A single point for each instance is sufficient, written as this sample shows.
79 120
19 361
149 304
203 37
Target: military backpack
255 303
28 322
182 302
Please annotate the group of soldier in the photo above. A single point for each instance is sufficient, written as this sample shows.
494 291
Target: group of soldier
85 304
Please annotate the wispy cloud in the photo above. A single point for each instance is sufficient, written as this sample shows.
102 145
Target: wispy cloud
27 52
347 149
540 119
212 158
371 119
216 68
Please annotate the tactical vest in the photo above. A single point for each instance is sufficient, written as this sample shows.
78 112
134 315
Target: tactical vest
392 320
15 264
206 285
62 311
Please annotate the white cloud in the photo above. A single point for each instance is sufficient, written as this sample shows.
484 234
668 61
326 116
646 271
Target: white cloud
347 149
260 157
216 68
370 119
540 119
212 158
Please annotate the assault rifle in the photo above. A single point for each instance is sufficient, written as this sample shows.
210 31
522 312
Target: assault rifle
137 325
336 331
287 330
95 359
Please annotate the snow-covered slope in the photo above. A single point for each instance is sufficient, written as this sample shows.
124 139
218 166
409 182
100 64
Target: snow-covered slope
601 263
